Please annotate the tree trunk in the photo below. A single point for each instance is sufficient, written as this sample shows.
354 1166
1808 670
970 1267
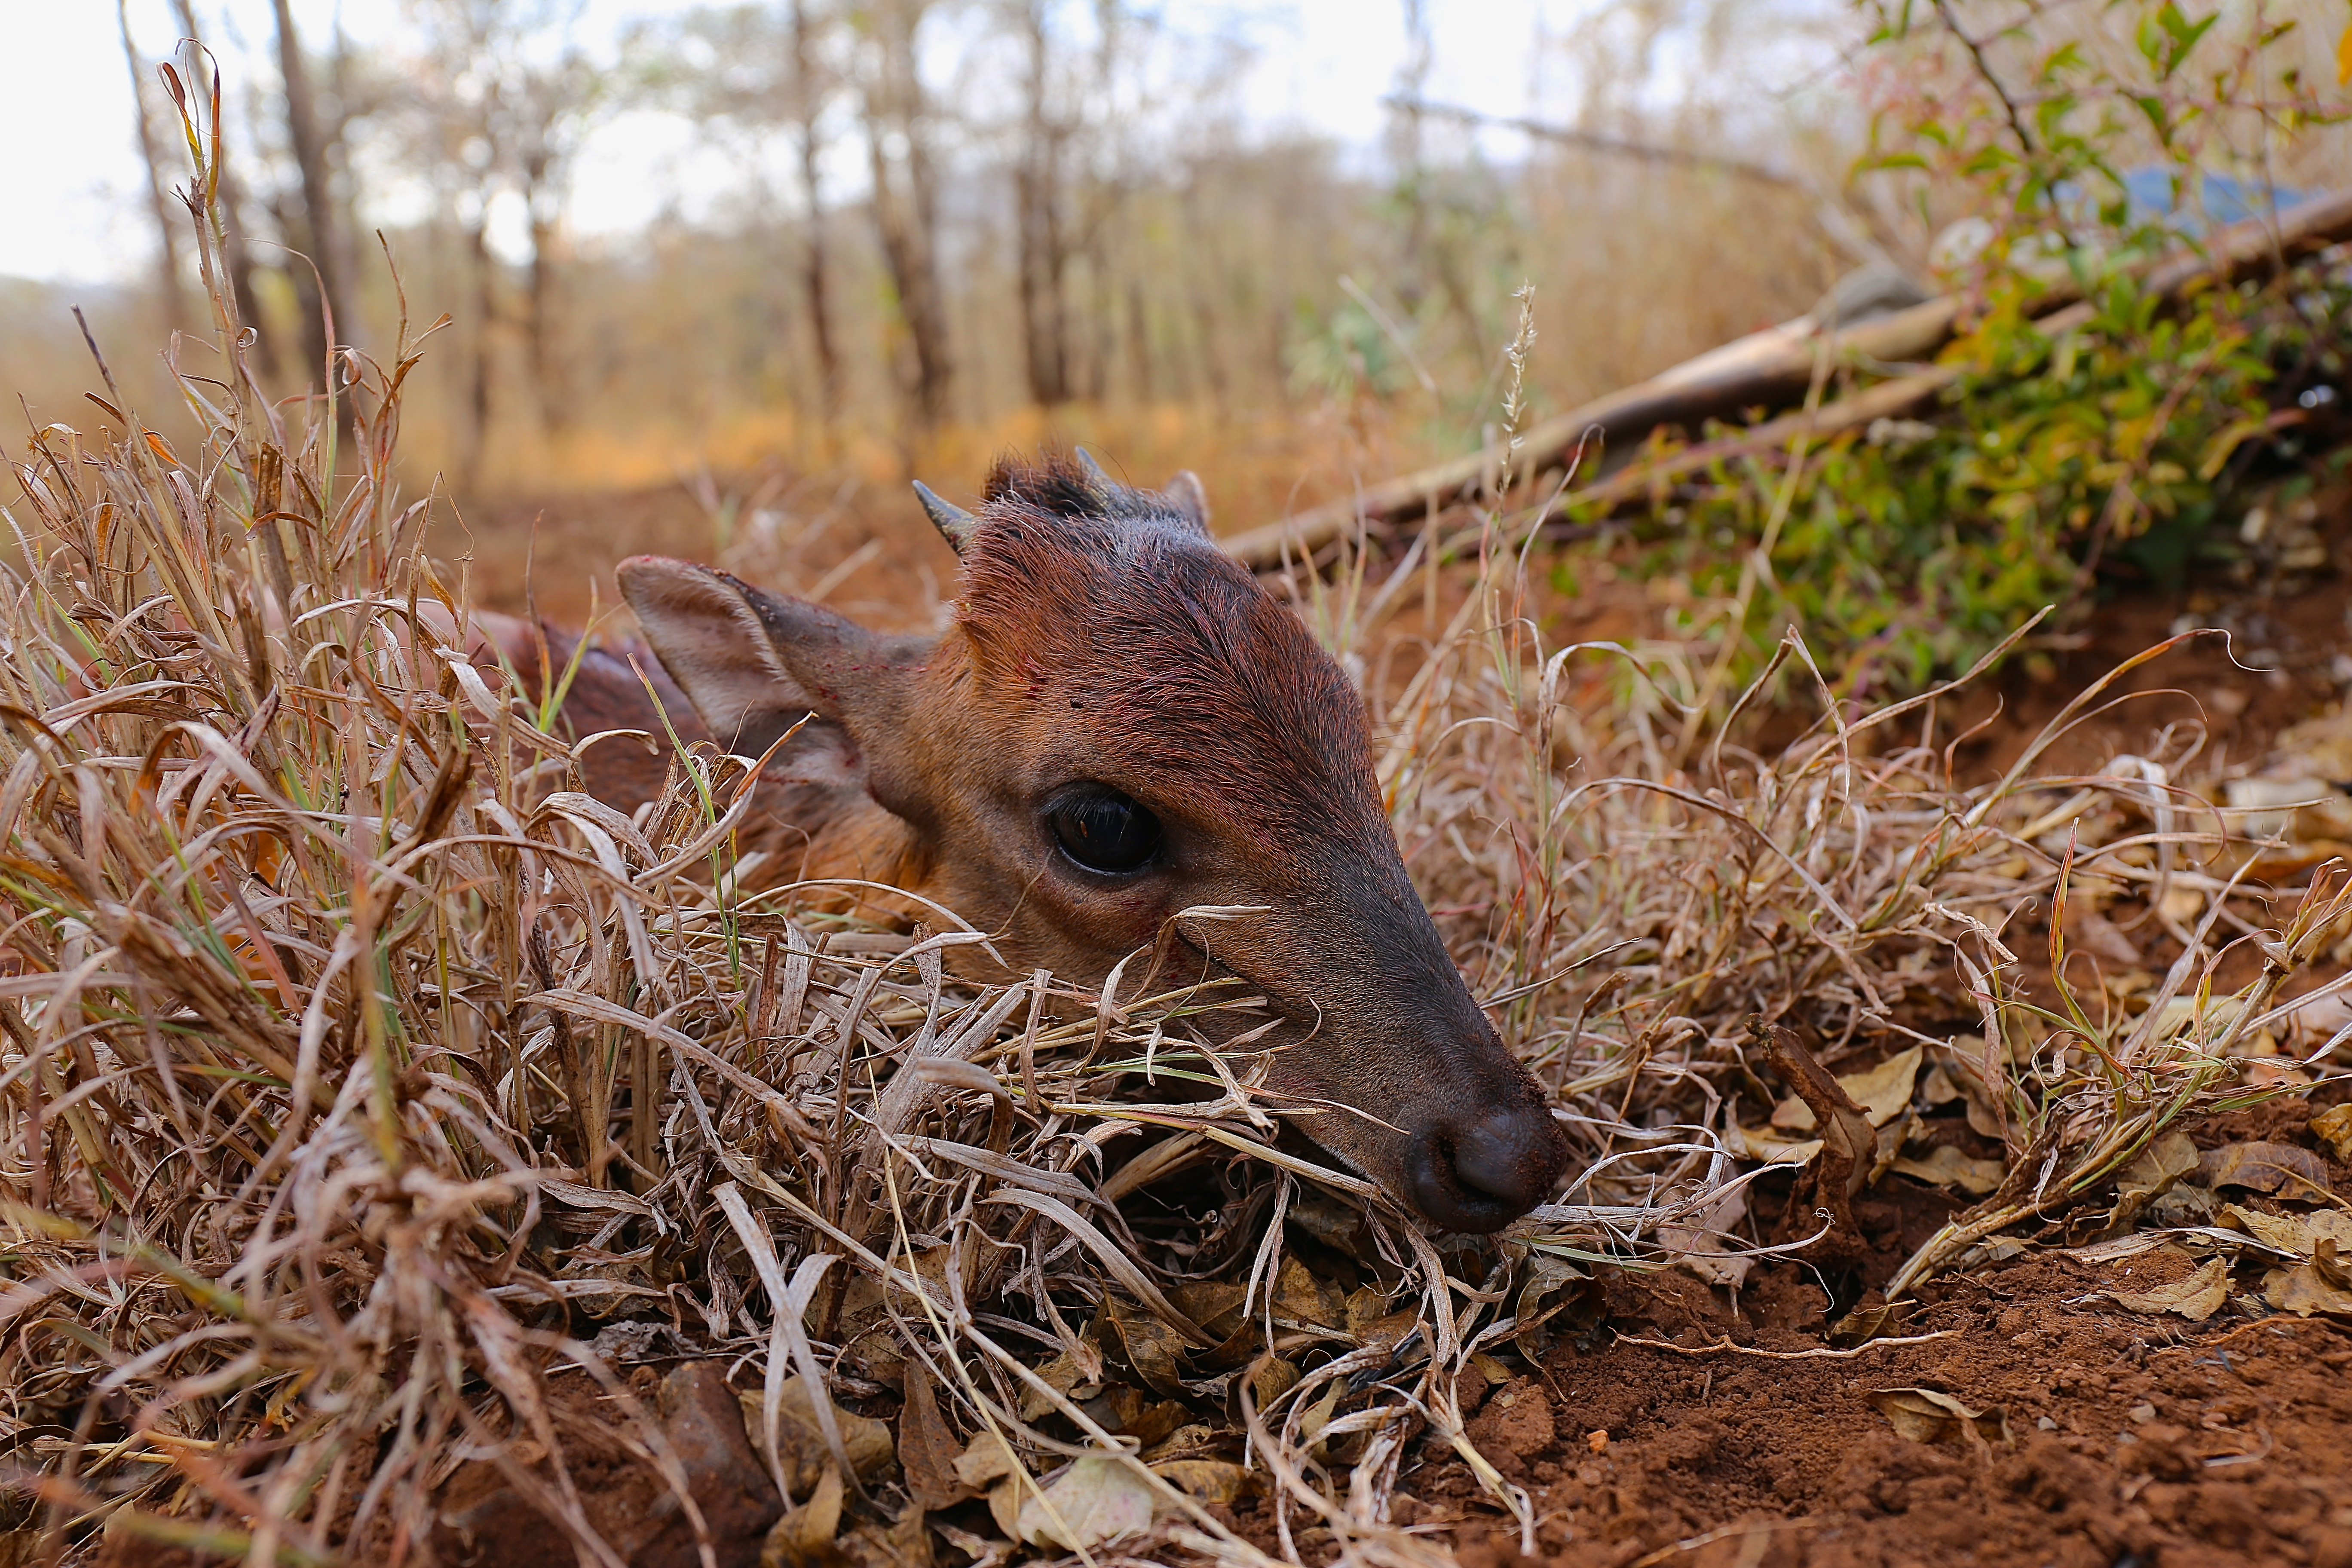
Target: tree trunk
1037 191
929 317
554 407
815 269
167 233
476 437
321 237
1138 345
903 209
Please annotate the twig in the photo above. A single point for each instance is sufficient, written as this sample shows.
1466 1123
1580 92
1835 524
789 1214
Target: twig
1594 142
1823 1352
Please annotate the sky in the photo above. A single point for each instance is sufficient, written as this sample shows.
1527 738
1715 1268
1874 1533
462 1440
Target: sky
75 191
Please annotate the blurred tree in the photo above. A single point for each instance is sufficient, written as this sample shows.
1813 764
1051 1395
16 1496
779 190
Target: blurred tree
502 98
811 89
742 73
1074 162
549 110
1046 131
167 227
314 229
905 196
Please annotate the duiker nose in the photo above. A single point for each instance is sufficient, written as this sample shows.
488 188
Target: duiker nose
1481 1173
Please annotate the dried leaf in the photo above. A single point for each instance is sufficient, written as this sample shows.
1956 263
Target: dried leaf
1386 1333
804 1537
904 1543
1963 1063
1337 1226
1065 1373
2333 1127
1198 1440
1301 1298
801 1445
1207 1480
2152 1172
1864 1324
1366 1304
2297 1234
1317 1415
1129 1413
1271 1379
1549 1278
1004 1500
1220 1309
1888 1146
1238 1348
1150 1346
868 1337
2266 1168
1946 1166
926 1449
2305 1291
1931 1416
1765 1143
1096 1498
986 1458
2329 1225
2196 1296
1883 1093
1849 1143
1701 1243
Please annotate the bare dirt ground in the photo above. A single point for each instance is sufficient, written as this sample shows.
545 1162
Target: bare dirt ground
1691 1428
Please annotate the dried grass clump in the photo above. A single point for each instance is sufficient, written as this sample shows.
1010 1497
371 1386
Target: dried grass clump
373 1097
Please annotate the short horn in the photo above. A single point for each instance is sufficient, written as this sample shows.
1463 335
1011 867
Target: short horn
954 523
1094 469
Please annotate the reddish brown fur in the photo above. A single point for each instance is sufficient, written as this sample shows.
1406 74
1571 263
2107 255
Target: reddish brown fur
1101 636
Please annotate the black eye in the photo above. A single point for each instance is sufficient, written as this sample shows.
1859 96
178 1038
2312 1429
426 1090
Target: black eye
1104 831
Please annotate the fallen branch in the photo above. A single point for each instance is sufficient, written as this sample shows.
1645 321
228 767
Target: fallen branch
1767 369
1819 1352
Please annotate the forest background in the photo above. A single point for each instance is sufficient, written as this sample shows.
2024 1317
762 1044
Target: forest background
897 236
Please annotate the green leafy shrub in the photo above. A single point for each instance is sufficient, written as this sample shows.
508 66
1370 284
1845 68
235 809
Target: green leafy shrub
1912 547
2060 466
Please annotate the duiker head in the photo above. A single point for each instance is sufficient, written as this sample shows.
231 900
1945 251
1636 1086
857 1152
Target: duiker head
1122 725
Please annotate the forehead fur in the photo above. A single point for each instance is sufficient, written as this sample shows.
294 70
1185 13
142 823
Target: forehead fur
1108 608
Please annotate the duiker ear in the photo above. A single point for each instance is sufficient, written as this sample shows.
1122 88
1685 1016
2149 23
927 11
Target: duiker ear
1185 493
754 664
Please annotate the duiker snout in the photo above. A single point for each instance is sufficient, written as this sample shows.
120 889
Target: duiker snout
1479 1173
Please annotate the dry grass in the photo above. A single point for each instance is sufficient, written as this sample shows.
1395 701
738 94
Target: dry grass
357 1067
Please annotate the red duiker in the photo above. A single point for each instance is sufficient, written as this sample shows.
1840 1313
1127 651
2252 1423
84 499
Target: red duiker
1120 725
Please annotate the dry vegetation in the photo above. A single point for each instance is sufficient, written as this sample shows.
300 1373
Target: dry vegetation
375 1102
1195 256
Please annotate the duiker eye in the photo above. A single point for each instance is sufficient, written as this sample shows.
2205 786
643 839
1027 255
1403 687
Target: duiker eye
1104 831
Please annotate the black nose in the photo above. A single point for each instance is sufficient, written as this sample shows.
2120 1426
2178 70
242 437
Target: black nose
1481 1175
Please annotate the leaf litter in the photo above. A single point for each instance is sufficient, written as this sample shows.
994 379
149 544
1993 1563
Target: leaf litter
378 1103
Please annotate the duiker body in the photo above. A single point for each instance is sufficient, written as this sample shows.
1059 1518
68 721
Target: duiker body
1121 724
